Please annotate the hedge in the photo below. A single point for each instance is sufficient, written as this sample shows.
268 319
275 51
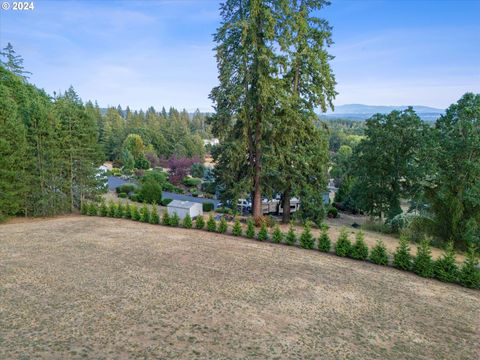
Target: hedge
444 268
207 206
165 202
190 182
125 188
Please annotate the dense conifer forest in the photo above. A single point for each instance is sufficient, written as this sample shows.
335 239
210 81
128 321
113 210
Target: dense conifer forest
51 146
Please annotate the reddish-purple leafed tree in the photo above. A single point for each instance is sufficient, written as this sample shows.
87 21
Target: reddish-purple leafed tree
179 168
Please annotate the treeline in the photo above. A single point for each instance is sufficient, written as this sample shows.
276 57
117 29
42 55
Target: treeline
344 132
51 147
131 137
433 169
49 152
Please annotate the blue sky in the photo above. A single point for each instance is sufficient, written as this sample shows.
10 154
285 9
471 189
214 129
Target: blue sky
142 53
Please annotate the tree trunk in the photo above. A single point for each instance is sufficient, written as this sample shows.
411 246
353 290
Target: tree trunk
286 206
257 195
72 208
257 198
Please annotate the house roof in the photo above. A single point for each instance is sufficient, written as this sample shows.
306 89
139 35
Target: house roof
179 204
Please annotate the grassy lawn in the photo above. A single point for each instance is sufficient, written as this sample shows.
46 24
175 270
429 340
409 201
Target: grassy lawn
103 288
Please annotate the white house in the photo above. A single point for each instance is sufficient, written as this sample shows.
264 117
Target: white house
182 208
213 141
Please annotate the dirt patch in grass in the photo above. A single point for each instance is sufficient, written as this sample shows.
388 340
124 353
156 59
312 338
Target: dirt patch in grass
108 288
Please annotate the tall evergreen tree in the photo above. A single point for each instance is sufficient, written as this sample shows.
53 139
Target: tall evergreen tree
13 62
307 83
245 98
13 151
81 151
273 69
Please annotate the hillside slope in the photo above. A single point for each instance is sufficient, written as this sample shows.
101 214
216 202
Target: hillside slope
110 288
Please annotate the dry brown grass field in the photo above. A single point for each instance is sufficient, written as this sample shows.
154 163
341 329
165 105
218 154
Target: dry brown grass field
82 287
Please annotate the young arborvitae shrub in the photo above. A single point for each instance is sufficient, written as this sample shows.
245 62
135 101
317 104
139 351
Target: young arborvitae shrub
92 209
237 228
263 233
103 209
174 220
84 208
446 268
145 214
119 210
112 207
211 224
359 249
223 226
127 213
250 233
154 217
306 239
134 213
343 247
277 235
379 254
187 221
291 237
401 258
423 262
470 273
324 243
199 222
166 218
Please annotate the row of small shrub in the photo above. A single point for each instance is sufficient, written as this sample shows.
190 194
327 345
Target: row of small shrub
445 268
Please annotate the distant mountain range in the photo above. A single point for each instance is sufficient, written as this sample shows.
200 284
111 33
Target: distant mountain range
362 112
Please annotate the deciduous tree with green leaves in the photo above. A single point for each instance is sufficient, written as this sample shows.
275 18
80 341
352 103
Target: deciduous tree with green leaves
453 189
387 163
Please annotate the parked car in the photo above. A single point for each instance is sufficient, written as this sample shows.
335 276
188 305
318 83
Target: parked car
244 206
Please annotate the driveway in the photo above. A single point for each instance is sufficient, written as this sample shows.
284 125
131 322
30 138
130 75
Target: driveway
115 181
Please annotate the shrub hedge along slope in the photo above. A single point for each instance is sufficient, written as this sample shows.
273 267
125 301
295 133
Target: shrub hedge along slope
444 268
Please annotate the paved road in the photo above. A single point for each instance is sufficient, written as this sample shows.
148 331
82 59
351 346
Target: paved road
115 181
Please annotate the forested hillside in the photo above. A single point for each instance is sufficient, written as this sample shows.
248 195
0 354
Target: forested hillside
49 150
51 147
163 134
